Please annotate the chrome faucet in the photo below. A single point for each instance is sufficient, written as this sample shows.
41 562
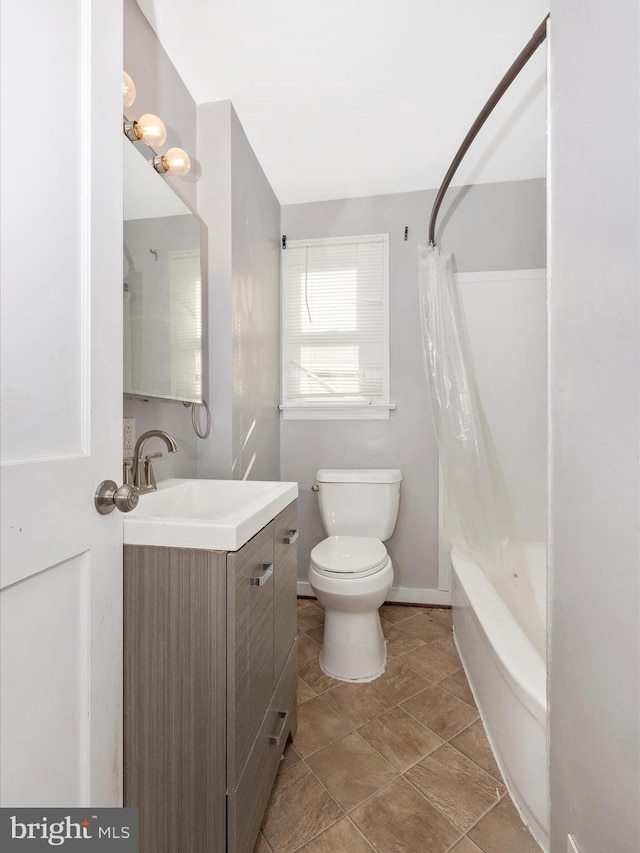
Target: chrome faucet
141 466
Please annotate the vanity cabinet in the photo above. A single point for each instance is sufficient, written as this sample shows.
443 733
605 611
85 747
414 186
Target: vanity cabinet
210 687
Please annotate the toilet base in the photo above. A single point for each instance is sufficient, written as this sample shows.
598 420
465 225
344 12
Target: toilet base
354 648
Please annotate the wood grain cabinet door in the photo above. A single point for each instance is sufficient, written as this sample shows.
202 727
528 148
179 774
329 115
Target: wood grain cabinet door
250 587
285 535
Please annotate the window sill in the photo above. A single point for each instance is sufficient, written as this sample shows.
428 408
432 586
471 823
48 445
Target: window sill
338 412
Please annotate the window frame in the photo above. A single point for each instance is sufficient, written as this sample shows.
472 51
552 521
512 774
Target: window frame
371 408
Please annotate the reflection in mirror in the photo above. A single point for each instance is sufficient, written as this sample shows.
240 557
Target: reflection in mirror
162 287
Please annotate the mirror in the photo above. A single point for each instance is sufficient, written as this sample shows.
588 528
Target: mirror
163 293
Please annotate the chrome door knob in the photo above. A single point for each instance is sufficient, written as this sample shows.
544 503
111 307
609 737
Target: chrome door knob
109 497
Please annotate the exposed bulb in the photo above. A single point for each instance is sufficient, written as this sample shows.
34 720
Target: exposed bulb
176 162
151 130
128 90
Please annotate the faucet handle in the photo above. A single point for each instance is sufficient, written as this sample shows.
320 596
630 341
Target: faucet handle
149 473
127 471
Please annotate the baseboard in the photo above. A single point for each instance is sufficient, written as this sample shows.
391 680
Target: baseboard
401 594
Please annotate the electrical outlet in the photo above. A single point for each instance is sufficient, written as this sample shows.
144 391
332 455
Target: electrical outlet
128 435
572 847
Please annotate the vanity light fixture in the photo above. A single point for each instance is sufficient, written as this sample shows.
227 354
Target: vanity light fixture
128 90
175 162
148 128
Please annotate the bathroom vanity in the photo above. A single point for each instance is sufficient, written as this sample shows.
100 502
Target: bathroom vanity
210 671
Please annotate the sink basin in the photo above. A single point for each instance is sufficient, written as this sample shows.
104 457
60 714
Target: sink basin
217 515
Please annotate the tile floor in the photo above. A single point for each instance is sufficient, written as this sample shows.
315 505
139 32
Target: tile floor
401 765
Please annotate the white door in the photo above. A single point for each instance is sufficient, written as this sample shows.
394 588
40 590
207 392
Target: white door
61 570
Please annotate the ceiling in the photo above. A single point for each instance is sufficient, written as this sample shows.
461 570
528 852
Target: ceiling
346 98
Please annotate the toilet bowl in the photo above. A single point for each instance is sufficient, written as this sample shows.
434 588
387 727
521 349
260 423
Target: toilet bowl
351 572
352 590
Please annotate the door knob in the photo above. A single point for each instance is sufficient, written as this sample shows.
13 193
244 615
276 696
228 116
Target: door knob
109 497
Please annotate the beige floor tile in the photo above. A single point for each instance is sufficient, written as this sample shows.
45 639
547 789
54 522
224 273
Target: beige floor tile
290 757
459 686
309 617
446 644
399 682
399 612
342 837
398 819
261 845
455 785
465 846
357 703
317 633
307 647
441 614
398 641
309 671
305 692
299 809
443 713
306 602
431 663
473 743
318 726
351 769
400 738
425 628
502 831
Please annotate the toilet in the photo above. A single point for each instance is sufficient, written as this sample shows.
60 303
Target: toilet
350 571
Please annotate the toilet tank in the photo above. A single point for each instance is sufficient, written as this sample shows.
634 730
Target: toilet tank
359 502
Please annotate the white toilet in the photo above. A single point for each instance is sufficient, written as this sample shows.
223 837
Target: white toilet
351 572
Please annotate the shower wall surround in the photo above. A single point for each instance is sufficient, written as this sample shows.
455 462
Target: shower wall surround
488 227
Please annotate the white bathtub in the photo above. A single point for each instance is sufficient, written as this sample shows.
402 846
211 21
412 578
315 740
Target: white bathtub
508 680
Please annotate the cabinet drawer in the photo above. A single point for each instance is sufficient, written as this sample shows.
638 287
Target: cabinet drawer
246 803
250 646
285 548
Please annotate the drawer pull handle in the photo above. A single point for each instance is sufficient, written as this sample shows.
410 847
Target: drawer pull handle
291 537
277 738
260 580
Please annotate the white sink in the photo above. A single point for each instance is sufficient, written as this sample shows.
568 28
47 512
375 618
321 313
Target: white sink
217 515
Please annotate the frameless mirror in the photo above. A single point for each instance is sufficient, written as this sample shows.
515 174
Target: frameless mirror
163 293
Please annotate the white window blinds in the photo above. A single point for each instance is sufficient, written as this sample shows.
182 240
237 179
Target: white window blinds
335 321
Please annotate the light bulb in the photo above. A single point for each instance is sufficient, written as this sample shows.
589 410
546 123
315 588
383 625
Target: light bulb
150 129
176 162
128 90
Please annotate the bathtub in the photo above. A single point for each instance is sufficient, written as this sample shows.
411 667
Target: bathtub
508 680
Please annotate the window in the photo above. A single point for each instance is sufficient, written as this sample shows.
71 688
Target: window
335 328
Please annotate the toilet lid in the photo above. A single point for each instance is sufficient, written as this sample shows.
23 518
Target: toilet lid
349 555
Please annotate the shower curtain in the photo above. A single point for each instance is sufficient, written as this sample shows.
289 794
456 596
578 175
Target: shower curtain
480 520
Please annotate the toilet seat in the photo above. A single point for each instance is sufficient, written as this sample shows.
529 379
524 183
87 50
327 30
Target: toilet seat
349 556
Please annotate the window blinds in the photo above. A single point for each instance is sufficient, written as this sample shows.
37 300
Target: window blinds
335 324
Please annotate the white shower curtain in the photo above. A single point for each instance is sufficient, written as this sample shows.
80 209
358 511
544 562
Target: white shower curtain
480 522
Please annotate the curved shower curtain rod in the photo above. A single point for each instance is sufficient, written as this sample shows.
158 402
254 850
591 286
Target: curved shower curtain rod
523 57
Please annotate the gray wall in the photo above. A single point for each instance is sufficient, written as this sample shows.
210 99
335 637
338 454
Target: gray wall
489 227
594 354
160 90
243 216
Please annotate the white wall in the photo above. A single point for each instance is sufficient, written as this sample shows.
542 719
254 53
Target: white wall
489 227
594 270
